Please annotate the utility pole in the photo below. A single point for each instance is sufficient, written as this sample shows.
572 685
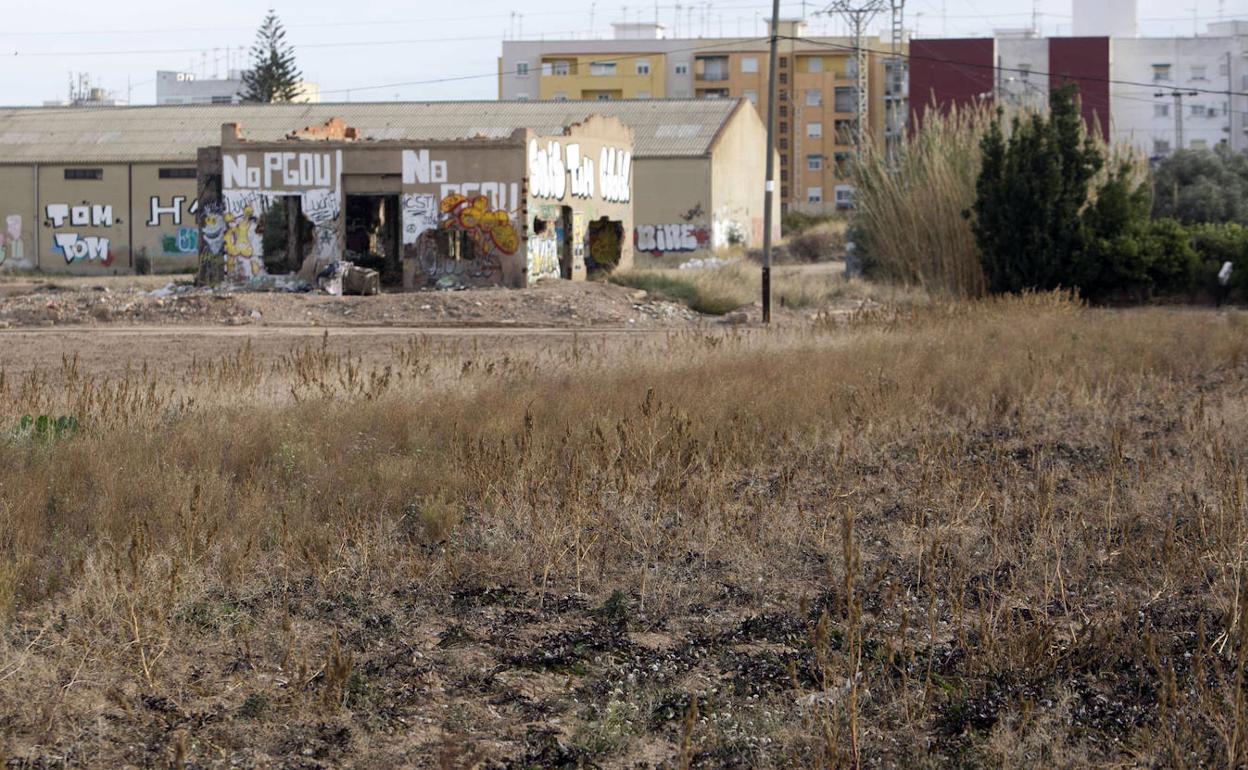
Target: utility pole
1178 113
769 187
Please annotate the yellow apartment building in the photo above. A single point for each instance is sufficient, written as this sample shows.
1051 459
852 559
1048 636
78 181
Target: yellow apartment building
816 107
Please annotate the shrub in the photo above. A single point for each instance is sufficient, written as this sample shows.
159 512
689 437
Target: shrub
1196 186
1216 244
1032 188
818 244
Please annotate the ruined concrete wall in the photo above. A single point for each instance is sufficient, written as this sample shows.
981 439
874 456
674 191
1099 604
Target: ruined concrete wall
162 210
580 195
460 193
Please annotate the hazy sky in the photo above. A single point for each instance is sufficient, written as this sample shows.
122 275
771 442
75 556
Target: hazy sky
384 50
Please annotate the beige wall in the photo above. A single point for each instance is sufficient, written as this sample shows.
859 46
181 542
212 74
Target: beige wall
19 223
738 176
162 217
84 224
673 214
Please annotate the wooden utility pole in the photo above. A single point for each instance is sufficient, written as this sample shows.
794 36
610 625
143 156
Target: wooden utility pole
769 188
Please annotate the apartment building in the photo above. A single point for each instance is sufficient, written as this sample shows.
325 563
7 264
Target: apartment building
817 106
1156 94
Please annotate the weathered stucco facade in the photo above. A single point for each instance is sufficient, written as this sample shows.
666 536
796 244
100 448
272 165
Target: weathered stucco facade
476 212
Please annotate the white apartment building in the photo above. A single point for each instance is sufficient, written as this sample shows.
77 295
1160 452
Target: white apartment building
1207 73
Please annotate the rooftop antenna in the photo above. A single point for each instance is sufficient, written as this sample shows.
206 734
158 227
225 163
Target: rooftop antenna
592 8
1035 18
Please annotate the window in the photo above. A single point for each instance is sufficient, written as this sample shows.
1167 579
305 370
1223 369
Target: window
784 110
1198 73
522 69
1161 72
682 68
814 98
176 173
749 65
562 68
845 100
643 66
603 96
784 192
844 130
784 175
814 195
642 95
784 78
814 64
784 62
1161 147
84 173
223 100
784 127
1223 69
1198 110
841 159
752 96
1161 110
712 67
602 69
784 97
814 130
844 196
784 160
1024 72
814 163
783 143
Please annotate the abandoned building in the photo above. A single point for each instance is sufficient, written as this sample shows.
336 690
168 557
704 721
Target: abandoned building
504 211
114 190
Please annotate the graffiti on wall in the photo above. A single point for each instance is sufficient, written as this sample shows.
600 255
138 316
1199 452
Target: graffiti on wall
12 250
182 241
555 170
658 239
461 234
251 186
420 213
72 245
543 258
728 232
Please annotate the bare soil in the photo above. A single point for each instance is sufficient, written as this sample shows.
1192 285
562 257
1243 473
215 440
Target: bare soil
79 302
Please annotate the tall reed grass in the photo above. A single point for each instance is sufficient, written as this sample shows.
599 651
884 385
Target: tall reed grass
912 221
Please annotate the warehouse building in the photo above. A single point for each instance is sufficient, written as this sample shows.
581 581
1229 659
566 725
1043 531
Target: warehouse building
104 191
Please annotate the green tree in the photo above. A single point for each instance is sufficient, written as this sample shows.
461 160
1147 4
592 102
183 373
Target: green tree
1195 186
273 76
1031 192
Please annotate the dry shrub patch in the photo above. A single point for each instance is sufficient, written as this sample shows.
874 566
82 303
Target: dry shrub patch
1004 533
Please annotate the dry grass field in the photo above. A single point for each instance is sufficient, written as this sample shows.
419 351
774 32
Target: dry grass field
1011 533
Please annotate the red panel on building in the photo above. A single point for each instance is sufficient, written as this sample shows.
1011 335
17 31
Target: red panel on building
1085 61
950 72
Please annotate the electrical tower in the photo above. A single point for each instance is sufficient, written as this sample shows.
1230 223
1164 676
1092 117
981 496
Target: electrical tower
858 14
895 101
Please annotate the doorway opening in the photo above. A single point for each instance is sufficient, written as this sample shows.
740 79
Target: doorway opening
374 235
285 235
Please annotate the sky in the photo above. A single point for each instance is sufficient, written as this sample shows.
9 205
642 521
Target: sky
383 50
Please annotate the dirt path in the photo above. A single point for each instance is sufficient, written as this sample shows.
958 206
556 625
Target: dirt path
105 350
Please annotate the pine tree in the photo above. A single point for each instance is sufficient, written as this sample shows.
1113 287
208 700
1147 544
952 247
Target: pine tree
273 76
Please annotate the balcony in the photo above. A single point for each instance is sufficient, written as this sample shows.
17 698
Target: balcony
711 69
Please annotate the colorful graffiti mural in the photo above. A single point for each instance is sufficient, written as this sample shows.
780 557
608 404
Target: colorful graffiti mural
12 250
489 228
543 258
658 239
241 245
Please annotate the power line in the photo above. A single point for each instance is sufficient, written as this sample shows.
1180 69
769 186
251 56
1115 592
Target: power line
999 68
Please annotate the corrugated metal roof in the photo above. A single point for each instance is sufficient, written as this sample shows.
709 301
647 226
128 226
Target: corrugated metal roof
662 127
